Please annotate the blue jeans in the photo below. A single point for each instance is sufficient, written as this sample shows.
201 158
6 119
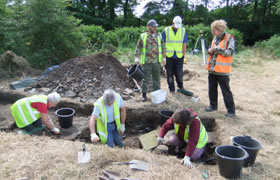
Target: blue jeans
114 138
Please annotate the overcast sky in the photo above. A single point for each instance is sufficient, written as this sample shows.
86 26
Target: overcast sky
142 3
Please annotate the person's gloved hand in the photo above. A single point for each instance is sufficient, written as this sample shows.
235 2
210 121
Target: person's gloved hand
137 60
160 140
122 128
55 130
163 62
187 161
94 138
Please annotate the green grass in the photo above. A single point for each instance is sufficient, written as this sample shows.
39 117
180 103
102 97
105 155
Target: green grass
125 55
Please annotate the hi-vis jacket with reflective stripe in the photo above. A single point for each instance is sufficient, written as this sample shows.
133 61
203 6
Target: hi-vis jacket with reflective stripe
174 42
23 113
143 51
102 118
223 63
203 136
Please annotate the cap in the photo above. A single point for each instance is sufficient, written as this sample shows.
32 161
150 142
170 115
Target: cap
152 23
177 22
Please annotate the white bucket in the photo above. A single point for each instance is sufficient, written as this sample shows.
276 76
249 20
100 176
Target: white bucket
158 96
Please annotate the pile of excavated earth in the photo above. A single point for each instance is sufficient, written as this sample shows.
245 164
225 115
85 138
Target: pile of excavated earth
87 77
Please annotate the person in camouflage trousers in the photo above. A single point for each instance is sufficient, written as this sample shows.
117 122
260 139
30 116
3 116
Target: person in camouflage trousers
150 53
219 67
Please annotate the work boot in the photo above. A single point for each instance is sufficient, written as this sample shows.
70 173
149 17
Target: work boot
210 109
144 97
230 115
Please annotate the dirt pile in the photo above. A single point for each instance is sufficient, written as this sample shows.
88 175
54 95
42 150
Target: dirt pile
87 77
12 65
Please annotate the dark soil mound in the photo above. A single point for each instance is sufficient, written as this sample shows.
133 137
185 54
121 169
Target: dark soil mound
87 77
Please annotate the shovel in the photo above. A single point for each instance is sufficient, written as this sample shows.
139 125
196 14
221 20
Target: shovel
83 156
135 165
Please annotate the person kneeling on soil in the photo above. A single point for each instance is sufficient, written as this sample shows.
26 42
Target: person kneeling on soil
110 113
30 112
188 129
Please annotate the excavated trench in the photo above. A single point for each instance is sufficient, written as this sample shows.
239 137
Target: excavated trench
139 121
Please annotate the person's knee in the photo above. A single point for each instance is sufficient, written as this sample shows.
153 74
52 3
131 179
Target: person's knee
173 140
197 154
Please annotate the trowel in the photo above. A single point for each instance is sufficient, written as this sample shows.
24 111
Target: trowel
135 165
83 156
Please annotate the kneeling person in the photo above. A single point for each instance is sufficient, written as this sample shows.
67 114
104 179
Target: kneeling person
29 113
188 129
109 115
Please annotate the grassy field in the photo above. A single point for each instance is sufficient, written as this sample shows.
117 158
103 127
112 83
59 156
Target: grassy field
256 89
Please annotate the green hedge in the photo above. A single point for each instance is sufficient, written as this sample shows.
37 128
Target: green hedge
271 45
127 37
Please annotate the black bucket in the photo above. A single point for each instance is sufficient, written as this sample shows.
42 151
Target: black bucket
165 115
65 117
251 145
136 73
230 160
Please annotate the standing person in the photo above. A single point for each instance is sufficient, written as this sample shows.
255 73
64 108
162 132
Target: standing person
31 113
188 129
150 48
219 67
109 115
175 38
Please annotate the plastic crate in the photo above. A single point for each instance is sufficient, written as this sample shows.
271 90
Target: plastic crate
158 96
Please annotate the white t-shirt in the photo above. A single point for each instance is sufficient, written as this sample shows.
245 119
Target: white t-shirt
109 110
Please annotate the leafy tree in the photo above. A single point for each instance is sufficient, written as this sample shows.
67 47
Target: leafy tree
52 32
13 26
2 22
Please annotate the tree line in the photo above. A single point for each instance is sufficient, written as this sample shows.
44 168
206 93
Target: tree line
48 32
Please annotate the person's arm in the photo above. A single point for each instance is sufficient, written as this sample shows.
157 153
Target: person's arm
123 114
46 121
138 48
168 125
229 51
185 43
49 124
93 136
92 124
184 49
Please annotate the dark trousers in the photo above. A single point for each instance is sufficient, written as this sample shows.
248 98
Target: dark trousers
36 124
223 81
174 66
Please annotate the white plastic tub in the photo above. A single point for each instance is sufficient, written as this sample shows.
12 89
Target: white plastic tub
158 96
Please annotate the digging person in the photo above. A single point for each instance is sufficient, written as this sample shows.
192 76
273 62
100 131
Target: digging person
31 113
109 114
219 67
150 47
189 132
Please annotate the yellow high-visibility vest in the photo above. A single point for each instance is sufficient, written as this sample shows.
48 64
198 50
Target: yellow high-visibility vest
143 50
102 118
22 111
203 136
174 42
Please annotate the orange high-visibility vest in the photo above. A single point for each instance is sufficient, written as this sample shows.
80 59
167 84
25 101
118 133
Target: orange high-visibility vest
223 64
